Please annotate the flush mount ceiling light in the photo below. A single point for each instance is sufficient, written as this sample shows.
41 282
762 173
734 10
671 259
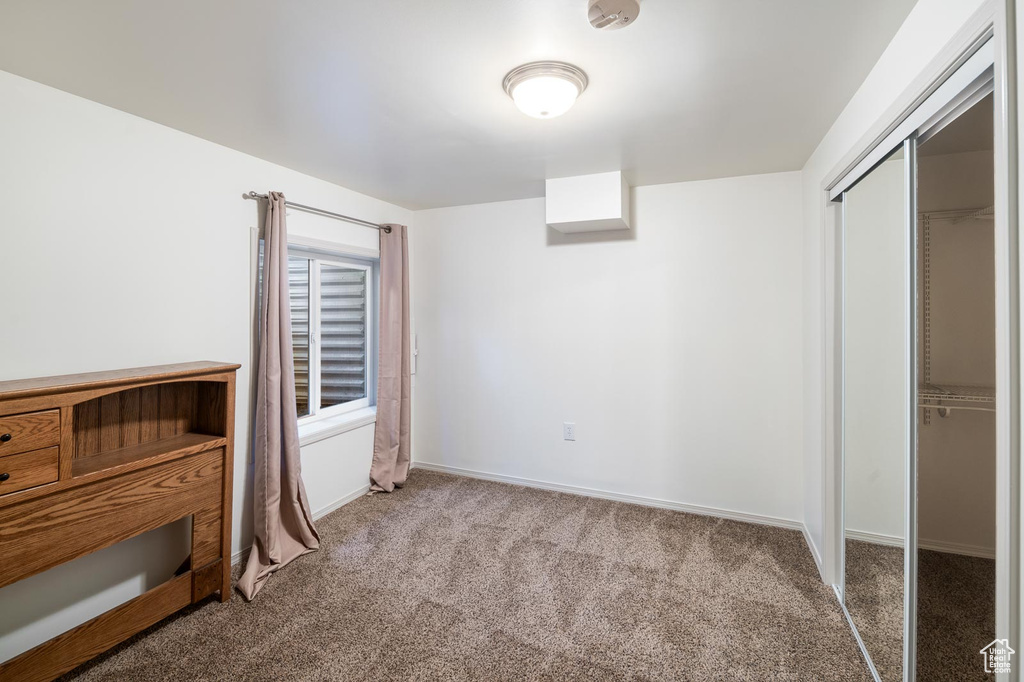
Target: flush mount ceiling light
545 89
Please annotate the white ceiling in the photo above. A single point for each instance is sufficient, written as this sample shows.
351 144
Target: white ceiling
402 100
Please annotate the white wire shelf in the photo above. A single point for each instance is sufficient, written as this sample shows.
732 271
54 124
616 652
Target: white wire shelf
960 215
944 397
956 397
974 394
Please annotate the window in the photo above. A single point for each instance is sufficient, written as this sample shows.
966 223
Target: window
333 331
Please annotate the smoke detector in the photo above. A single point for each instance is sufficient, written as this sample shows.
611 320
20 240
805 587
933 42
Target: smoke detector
609 15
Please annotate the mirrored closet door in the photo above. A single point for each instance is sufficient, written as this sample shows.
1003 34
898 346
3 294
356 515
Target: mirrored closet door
877 427
918 430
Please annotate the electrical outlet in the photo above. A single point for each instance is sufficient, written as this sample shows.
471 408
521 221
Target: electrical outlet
568 431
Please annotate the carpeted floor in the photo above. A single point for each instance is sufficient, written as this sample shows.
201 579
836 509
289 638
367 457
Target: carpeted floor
956 615
955 610
874 598
459 579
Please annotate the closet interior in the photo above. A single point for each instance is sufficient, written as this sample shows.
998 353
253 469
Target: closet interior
956 437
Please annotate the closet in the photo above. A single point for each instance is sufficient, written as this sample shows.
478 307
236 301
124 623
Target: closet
956 447
918 271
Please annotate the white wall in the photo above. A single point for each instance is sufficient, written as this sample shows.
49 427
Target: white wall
930 25
957 454
675 348
125 243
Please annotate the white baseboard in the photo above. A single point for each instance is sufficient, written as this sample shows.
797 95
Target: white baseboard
617 497
815 554
339 503
243 554
922 543
874 538
958 548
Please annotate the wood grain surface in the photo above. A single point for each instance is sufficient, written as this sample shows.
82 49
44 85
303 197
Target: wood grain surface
66 651
31 431
50 530
28 469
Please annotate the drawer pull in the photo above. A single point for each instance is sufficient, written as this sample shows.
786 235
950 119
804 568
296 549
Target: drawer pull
4 476
4 438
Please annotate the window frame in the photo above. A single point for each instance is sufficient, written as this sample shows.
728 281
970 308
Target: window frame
338 258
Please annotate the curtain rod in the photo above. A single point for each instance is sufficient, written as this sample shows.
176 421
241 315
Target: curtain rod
319 211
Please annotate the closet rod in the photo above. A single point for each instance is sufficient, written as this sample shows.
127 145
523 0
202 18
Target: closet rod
319 211
957 407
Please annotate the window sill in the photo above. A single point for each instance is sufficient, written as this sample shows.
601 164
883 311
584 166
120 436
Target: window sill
320 429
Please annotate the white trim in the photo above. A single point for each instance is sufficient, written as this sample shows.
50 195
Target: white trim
333 247
923 543
1008 348
815 554
318 429
875 538
975 31
744 517
348 407
243 554
833 383
341 502
957 548
965 81
313 377
910 397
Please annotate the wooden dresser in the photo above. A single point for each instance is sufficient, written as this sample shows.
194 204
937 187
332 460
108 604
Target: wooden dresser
89 460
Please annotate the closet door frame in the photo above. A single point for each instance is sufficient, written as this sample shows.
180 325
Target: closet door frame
909 410
991 21
910 462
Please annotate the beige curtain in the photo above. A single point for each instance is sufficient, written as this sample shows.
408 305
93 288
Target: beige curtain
394 383
282 524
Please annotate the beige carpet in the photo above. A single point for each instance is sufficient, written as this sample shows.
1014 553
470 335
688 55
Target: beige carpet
459 579
956 615
874 598
955 610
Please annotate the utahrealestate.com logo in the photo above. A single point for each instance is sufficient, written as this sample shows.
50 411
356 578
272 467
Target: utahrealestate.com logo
997 656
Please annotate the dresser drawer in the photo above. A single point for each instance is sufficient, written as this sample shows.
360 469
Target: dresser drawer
28 469
30 431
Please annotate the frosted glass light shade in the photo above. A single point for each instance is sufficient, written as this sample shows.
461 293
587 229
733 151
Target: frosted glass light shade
545 96
545 89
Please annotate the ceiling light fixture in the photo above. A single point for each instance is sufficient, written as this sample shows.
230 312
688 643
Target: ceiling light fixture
545 89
